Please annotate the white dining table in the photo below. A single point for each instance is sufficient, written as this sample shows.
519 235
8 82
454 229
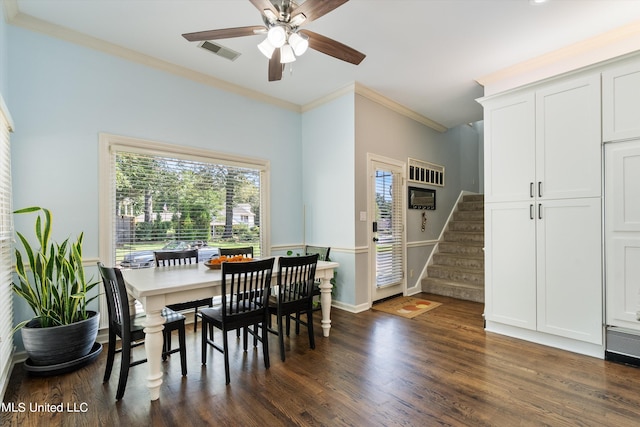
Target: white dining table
158 287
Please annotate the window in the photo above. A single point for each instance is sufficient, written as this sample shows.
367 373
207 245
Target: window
173 197
6 247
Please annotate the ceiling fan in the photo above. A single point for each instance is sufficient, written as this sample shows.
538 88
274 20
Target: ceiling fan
285 40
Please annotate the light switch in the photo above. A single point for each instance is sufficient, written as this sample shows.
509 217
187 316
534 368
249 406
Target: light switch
363 216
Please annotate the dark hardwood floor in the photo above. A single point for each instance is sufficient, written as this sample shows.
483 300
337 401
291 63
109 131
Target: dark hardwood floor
376 369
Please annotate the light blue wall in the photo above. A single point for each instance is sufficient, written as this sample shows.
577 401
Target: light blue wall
328 157
3 55
63 95
328 186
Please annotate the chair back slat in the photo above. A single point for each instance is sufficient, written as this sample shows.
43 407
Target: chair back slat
295 279
245 288
165 258
117 297
246 252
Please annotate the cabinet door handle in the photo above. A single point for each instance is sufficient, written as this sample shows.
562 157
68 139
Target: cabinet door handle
531 189
531 211
539 188
539 210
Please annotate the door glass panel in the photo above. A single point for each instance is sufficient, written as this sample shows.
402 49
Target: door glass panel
389 229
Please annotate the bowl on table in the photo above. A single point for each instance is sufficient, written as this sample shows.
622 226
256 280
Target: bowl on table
216 263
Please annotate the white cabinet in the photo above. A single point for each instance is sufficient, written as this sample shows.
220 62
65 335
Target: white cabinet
621 103
543 232
622 233
510 264
544 144
543 266
569 268
509 127
568 140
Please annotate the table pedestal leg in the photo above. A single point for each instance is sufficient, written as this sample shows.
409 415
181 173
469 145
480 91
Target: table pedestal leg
153 347
325 302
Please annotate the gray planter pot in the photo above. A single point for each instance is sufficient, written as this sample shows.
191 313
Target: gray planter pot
60 344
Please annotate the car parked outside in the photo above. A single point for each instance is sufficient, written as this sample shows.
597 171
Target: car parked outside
146 258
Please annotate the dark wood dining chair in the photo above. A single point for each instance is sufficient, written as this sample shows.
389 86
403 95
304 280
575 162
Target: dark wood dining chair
130 328
294 295
323 255
189 256
246 251
165 258
245 291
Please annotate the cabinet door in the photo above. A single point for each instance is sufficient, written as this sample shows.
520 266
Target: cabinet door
621 103
509 148
568 140
510 264
570 269
622 233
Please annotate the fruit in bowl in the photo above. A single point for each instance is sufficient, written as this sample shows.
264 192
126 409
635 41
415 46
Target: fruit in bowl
216 263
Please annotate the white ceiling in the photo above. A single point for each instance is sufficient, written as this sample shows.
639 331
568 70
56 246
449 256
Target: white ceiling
423 54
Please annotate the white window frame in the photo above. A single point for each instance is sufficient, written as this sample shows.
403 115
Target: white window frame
6 248
109 143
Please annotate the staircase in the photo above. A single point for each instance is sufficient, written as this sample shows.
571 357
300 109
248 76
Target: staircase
458 264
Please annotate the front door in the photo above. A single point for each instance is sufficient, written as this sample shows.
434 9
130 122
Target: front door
386 244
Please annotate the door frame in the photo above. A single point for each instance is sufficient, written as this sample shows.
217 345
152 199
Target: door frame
373 159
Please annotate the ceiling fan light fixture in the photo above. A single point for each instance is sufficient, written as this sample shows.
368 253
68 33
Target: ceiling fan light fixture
277 36
266 48
286 54
299 43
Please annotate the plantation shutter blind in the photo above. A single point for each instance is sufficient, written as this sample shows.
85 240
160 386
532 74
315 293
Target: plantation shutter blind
161 200
6 246
389 257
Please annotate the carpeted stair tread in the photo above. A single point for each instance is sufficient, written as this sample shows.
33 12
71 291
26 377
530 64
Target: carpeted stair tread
465 291
458 265
457 274
475 261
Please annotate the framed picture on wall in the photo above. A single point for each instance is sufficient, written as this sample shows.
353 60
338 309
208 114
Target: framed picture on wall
422 198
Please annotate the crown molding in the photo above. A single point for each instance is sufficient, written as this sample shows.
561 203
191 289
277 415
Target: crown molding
360 89
350 88
17 18
603 47
10 9
398 108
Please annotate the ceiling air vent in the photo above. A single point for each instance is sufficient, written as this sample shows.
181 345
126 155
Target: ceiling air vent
222 51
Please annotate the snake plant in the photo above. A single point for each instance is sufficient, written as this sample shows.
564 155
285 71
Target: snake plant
53 282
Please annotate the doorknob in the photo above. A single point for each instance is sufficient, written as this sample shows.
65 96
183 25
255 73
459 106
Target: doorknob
375 239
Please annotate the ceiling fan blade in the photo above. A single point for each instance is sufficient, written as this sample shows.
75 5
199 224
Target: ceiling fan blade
333 48
261 5
314 9
275 67
225 33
